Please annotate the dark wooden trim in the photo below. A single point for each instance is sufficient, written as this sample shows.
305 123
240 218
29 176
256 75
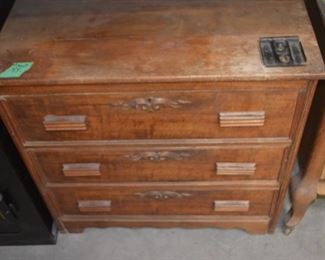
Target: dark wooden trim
222 185
157 87
171 142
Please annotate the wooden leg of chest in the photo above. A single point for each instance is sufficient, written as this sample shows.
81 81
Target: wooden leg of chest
312 159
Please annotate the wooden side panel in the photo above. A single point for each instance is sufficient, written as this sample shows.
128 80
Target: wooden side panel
303 107
312 160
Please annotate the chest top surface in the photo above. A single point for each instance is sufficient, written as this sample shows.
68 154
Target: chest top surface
102 41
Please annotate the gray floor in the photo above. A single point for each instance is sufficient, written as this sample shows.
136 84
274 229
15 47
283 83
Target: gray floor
306 242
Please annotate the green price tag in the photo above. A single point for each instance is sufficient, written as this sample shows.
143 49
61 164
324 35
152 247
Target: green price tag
16 70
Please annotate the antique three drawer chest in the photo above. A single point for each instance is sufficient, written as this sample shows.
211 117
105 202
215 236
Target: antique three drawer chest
174 113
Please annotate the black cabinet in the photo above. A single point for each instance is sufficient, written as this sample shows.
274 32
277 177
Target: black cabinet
24 219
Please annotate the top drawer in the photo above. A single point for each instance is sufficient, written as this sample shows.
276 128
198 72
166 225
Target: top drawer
174 114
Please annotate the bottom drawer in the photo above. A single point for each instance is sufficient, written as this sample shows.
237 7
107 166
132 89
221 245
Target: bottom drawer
162 200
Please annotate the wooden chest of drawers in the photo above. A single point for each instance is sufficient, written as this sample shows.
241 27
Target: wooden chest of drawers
156 113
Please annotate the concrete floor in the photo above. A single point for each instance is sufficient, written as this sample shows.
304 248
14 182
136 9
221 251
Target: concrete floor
307 242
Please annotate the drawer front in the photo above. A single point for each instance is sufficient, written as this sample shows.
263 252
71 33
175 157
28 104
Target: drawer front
162 200
215 163
158 115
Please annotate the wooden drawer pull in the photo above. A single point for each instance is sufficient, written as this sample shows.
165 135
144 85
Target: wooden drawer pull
94 205
81 169
235 168
241 119
231 205
65 123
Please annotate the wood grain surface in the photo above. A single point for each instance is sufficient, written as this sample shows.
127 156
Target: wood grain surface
152 40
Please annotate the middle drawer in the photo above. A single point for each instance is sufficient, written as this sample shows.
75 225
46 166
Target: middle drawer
142 164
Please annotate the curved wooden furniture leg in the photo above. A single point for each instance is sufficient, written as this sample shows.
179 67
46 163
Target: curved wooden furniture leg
312 158
303 193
